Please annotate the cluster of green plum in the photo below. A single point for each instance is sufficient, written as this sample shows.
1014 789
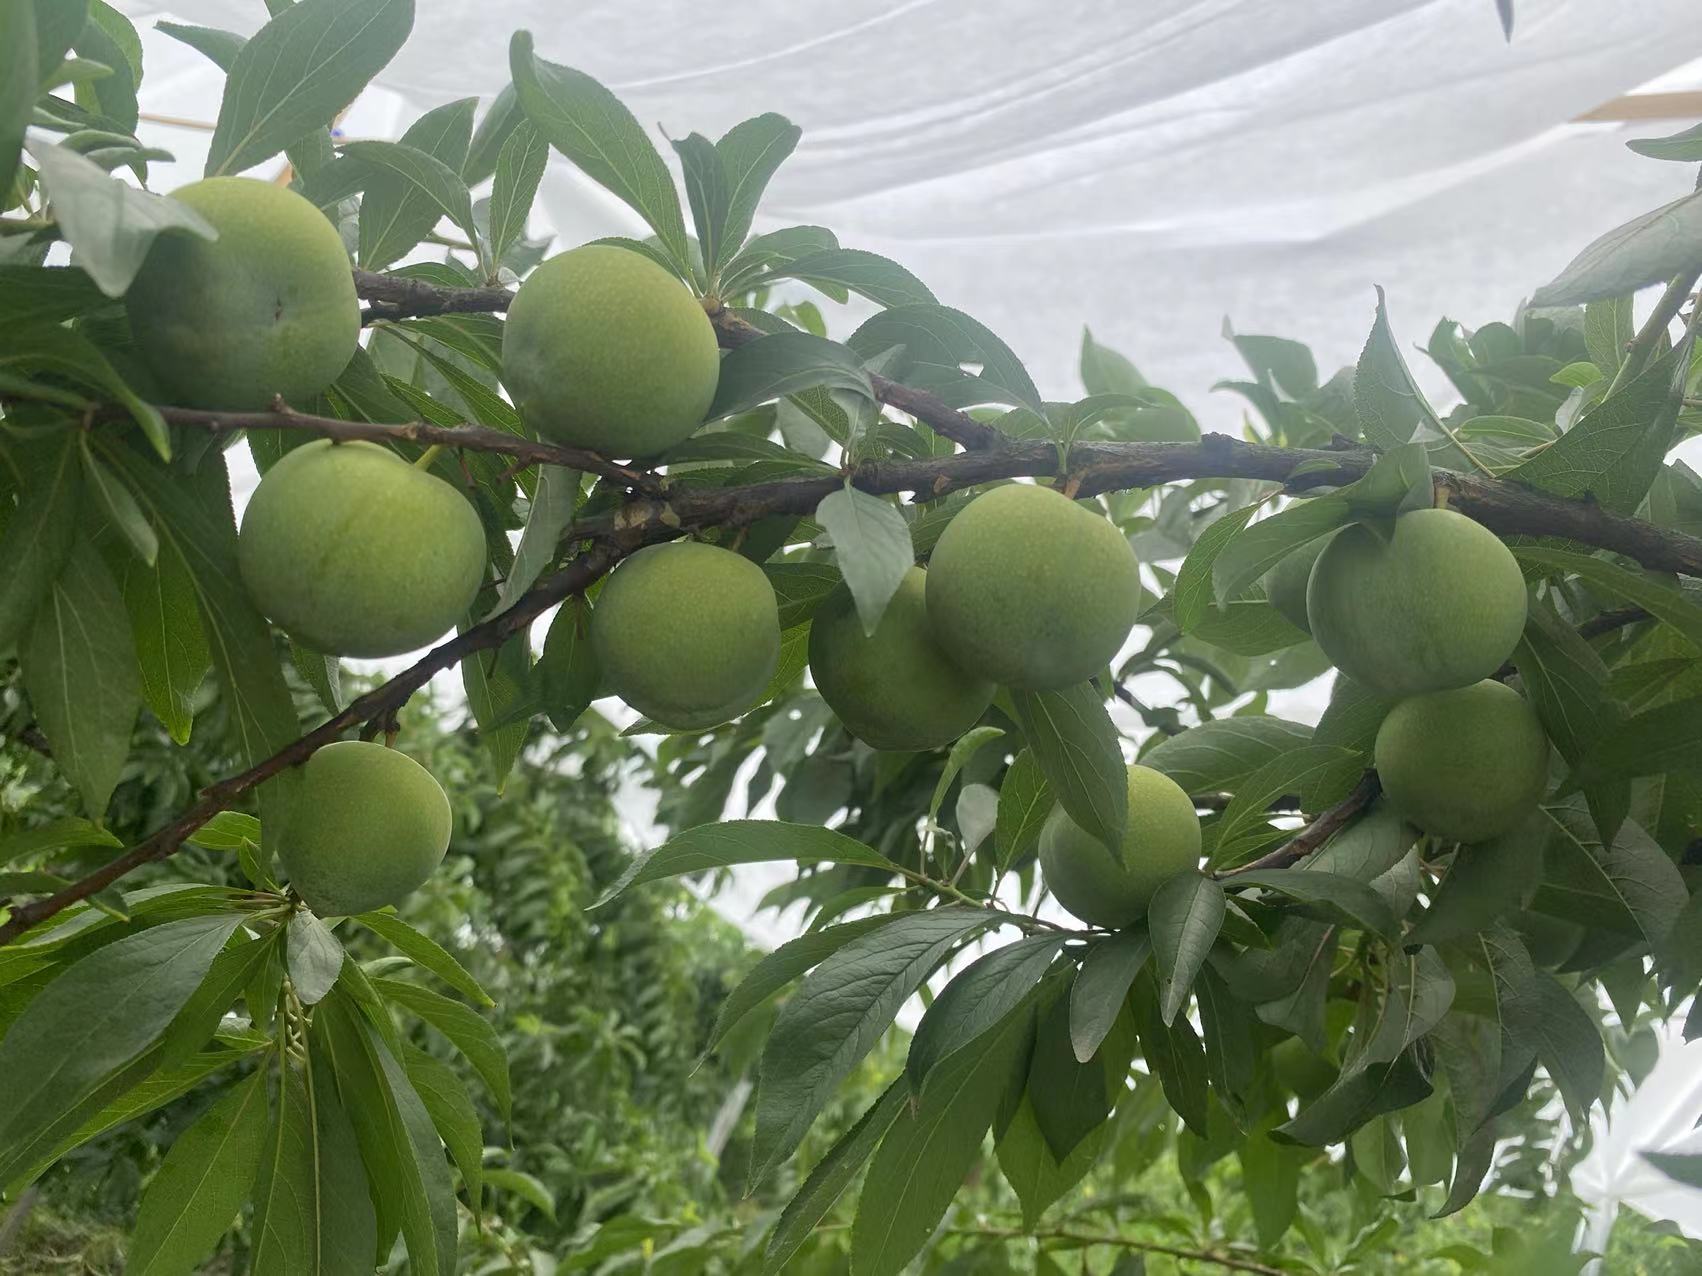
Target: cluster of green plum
1426 613
354 552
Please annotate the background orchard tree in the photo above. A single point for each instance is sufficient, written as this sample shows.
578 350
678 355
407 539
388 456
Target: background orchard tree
1383 958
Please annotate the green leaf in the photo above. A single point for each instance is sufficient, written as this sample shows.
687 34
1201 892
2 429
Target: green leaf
778 968
1658 599
784 363
923 1159
1567 1041
567 673
1254 551
496 126
299 71
425 952
62 351
1102 988
519 169
526 1187
18 84
1615 450
1104 371
1665 738
1649 249
465 1029
438 185
69 833
398 1144
870 275
1631 887
1335 895
1174 1054
965 747
589 125
831 1176
1390 404
1192 595
1025 800
750 152
32 296
227 831
286 1218
79 668
976 1001
220 47
743 842
193 516
1684 147
171 646
496 687
1564 679
552 506
1270 1174
1483 883
38 536
1685 1167
1219 755
402 205
201 1184
315 957
91 1021
871 545
120 508
706 192
1245 820
838 1014
799 588
1035 1174
937 341
452 1115
1183 921
1078 750
109 39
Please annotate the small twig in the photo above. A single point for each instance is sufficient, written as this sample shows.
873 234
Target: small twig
1318 831
1112 1240
471 438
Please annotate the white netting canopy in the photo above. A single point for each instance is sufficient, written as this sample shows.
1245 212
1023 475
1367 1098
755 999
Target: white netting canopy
1146 167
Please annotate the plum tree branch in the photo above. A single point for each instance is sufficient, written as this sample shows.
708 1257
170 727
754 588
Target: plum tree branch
666 510
577 576
473 438
1506 507
1319 831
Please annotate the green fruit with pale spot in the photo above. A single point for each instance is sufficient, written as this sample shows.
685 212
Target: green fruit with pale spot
353 552
895 688
1285 584
1029 589
1439 604
266 309
1465 765
603 349
368 826
688 634
1300 1071
1106 888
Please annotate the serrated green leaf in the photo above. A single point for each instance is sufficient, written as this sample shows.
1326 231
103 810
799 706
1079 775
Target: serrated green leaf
426 953
871 546
1649 249
1076 745
405 195
464 1028
1183 921
519 169
937 341
976 1002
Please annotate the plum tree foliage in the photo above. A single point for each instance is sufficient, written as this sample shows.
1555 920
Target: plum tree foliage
1461 893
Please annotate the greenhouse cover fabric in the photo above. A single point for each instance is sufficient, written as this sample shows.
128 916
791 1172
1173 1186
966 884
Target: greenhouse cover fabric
1146 167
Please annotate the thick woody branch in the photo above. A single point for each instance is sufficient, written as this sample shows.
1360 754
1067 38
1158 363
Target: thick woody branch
397 297
376 704
1319 831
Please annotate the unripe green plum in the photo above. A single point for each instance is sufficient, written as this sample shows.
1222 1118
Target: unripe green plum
687 633
1285 584
353 552
1106 888
895 688
1440 604
1031 590
369 825
1300 1071
1465 765
603 349
268 308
